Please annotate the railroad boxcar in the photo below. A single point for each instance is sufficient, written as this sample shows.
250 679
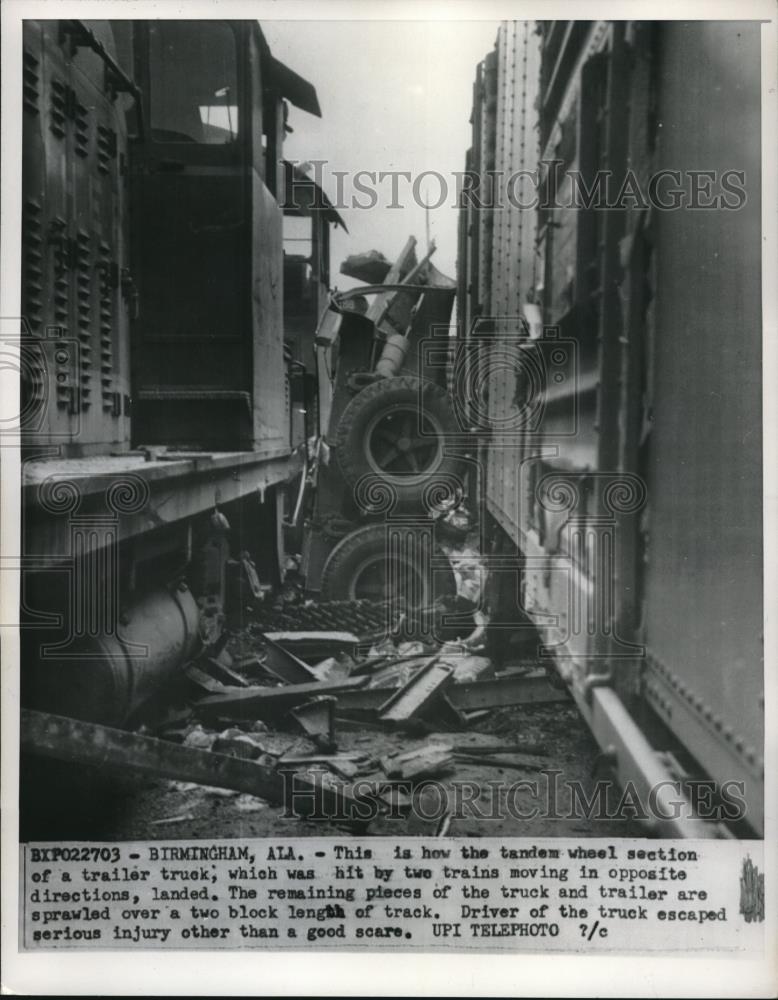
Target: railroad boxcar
609 355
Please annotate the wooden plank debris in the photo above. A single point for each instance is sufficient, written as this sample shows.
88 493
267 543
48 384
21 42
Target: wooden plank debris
346 765
245 702
202 680
491 748
222 673
425 685
239 744
317 719
401 267
334 668
497 692
507 689
517 765
426 761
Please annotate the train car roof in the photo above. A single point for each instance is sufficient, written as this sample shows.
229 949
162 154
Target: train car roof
296 89
313 197
290 84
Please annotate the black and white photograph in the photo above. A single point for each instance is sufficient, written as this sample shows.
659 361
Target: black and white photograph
386 494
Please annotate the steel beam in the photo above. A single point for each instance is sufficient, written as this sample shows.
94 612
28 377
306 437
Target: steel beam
635 760
525 689
176 490
66 739
102 746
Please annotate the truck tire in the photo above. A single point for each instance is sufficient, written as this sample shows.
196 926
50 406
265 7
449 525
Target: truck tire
398 430
360 567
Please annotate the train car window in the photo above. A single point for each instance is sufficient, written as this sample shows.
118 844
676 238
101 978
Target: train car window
298 263
324 251
257 101
298 236
193 82
272 139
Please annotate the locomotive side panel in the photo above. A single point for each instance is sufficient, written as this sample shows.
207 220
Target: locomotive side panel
271 379
74 197
175 233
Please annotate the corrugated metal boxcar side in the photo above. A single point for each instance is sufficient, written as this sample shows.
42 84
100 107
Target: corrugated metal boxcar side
621 353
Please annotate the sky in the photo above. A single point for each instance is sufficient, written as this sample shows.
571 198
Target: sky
395 95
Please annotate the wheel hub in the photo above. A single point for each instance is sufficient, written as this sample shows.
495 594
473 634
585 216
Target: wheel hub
403 443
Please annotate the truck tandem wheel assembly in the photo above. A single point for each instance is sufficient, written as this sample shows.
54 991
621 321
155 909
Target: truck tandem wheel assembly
381 563
398 429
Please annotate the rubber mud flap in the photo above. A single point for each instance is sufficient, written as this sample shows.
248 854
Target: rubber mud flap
398 431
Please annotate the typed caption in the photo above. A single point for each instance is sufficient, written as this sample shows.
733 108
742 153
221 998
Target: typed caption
561 894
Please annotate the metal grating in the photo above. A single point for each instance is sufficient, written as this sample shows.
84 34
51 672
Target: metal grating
30 82
106 295
58 107
61 304
60 258
82 262
32 239
81 130
106 148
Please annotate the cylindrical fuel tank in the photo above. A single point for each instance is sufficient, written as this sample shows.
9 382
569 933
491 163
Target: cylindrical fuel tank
106 678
